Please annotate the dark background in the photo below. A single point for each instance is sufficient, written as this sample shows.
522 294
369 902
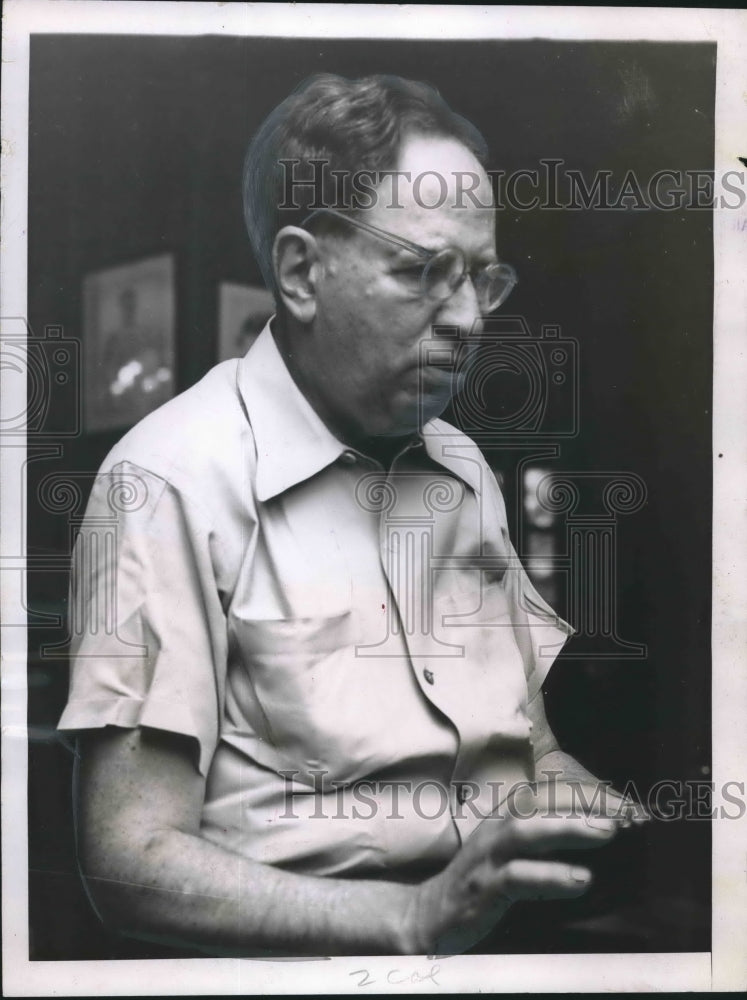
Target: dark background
136 147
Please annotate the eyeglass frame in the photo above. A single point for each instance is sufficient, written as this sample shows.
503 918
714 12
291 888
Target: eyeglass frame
421 251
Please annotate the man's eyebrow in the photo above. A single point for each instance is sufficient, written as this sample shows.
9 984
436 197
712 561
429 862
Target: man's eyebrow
396 253
487 253
402 254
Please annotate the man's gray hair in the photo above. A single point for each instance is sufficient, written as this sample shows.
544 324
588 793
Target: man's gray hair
349 126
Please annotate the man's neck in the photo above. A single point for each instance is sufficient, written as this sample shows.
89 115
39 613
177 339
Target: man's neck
383 449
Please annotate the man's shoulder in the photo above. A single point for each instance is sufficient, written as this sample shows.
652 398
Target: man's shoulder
446 435
440 428
455 450
193 435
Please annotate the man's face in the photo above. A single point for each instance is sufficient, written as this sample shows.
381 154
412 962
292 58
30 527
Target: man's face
371 317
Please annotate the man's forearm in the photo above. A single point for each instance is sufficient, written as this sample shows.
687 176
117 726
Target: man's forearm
555 764
150 872
179 888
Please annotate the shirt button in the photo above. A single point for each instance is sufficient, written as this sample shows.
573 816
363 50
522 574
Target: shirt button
348 458
428 674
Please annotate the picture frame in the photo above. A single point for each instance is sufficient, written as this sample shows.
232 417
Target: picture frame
128 342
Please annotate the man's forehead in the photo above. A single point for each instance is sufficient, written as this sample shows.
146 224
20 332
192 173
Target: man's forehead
428 165
436 177
422 153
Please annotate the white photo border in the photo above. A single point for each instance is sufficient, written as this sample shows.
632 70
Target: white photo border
725 968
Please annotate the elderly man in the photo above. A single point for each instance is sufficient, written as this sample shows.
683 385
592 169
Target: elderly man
306 678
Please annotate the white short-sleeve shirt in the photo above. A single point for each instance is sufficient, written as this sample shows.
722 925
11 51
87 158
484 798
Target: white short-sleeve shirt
352 648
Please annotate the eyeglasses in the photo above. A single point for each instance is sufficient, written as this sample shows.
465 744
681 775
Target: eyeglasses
444 270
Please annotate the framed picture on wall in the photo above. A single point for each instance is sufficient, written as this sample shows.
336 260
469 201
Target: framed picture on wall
128 342
243 311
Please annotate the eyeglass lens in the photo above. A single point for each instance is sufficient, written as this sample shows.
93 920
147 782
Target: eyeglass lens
445 271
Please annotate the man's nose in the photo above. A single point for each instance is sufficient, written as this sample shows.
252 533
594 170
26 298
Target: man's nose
462 310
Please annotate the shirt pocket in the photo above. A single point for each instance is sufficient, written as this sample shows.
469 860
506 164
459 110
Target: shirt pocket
308 638
302 674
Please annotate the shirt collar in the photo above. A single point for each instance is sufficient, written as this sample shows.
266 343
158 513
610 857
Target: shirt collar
293 442
453 450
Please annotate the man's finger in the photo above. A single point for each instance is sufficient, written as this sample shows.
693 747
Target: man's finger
539 835
523 879
574 798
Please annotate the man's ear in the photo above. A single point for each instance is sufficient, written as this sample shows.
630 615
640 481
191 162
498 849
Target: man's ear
297 266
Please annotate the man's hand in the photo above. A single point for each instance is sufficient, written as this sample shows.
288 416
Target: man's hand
562 780
150 872
507 859
567 781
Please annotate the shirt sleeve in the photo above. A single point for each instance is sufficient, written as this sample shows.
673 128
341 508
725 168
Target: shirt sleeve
148 633
540 633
